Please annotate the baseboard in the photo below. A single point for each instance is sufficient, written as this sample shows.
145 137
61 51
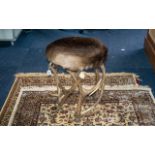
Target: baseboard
149 46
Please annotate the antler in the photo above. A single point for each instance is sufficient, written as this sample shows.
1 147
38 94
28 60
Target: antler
102 85
63 93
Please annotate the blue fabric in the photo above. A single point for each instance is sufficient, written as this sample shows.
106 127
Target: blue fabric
126 54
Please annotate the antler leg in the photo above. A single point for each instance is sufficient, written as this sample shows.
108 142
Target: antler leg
53 68
97 75
66 95
79 108
102 85
95 87
66 92
81 96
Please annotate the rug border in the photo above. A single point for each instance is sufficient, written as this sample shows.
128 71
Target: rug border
51 88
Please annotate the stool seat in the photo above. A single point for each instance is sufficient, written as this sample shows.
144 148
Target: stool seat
76 53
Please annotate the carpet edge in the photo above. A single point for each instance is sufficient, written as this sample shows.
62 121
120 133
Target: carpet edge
6 103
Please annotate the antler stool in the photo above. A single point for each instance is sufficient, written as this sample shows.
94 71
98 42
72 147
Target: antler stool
76 54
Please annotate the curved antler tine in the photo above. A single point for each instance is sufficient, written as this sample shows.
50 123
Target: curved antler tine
83 90
67 93
79 107
57 80
96 87
78 84
97 75
75 78
81 95
102 90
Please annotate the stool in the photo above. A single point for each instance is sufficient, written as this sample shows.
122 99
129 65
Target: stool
76 54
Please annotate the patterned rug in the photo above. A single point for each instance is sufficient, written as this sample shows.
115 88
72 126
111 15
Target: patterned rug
124 102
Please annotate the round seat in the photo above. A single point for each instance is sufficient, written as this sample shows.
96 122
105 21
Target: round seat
76 53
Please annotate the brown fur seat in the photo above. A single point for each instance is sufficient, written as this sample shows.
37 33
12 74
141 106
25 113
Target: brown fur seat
76 53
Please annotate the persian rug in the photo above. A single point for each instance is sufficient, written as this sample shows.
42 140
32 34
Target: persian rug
124 102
